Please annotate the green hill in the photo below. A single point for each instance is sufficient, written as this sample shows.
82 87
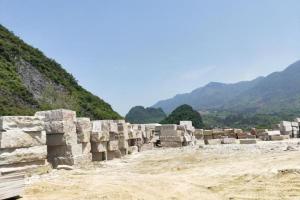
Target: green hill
29 81
184 113
139 114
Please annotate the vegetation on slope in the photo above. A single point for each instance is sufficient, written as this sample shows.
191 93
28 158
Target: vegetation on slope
16 99
141 115
184 113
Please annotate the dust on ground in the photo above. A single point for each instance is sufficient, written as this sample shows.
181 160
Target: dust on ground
267 170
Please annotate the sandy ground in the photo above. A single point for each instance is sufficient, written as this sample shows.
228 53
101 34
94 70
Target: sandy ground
267 170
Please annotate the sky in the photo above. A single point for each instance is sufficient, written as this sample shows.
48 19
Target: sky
137 52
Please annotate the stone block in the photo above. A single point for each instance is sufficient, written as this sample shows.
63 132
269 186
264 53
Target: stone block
57 115
24 123
22 155
228 140
133 149
99 147
248 141
62 127
113 145
102 136
61 139
86 148
114 154
123 143
167 127
83 130
20 139
64 150
171 144
212 142
276 137
99 156
70 160
100 126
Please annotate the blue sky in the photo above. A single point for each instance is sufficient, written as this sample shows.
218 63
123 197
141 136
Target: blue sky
136 52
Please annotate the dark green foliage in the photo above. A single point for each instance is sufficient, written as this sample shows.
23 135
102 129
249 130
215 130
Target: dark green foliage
184 113
141 115
15 99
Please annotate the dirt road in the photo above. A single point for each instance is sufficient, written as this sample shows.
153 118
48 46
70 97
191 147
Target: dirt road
268 170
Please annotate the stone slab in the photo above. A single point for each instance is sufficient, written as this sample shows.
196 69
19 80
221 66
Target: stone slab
248 141
20 139
22 155
24 123
57 115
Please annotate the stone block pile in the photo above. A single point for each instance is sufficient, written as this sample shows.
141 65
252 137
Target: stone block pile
83 130
22 144
62 142
99 140
290 128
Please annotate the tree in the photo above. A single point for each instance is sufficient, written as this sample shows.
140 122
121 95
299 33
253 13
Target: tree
184 113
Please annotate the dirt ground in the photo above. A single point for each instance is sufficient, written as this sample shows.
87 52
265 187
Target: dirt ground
267 170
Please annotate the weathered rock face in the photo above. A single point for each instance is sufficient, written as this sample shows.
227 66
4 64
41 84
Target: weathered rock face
20 139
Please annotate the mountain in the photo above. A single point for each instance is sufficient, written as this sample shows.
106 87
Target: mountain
29 81
139 114
184 113
261 102
276 92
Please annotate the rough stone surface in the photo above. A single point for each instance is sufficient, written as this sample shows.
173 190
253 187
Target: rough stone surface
62 127
86 148
83 129
57 115
102 136
22 155
99 147
24 123
61 139
19 139
113 145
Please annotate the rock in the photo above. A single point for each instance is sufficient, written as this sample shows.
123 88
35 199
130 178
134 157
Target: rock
24 123
86 148
57 115
64 150
22 155
99 146
19 139
248 141
62 127
113 145
83 129
133 149
102 136
64 167
61 139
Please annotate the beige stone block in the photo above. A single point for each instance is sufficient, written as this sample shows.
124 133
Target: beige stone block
113 145
19 139
24 123
57 115
62 127
99 146
61 139
21 155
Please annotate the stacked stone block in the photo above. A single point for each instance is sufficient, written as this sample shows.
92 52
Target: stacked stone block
22 144
99 140
171 135
83 130
123 137
62 146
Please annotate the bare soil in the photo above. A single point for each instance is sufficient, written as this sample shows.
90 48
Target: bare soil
267 170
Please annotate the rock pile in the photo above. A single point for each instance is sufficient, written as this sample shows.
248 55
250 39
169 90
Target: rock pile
62 145
22 144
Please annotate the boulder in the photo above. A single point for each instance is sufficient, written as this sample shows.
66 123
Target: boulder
19 139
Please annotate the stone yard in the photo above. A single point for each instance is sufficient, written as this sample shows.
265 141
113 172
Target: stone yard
266 170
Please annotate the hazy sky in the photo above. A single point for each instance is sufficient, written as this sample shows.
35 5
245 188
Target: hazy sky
136 52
